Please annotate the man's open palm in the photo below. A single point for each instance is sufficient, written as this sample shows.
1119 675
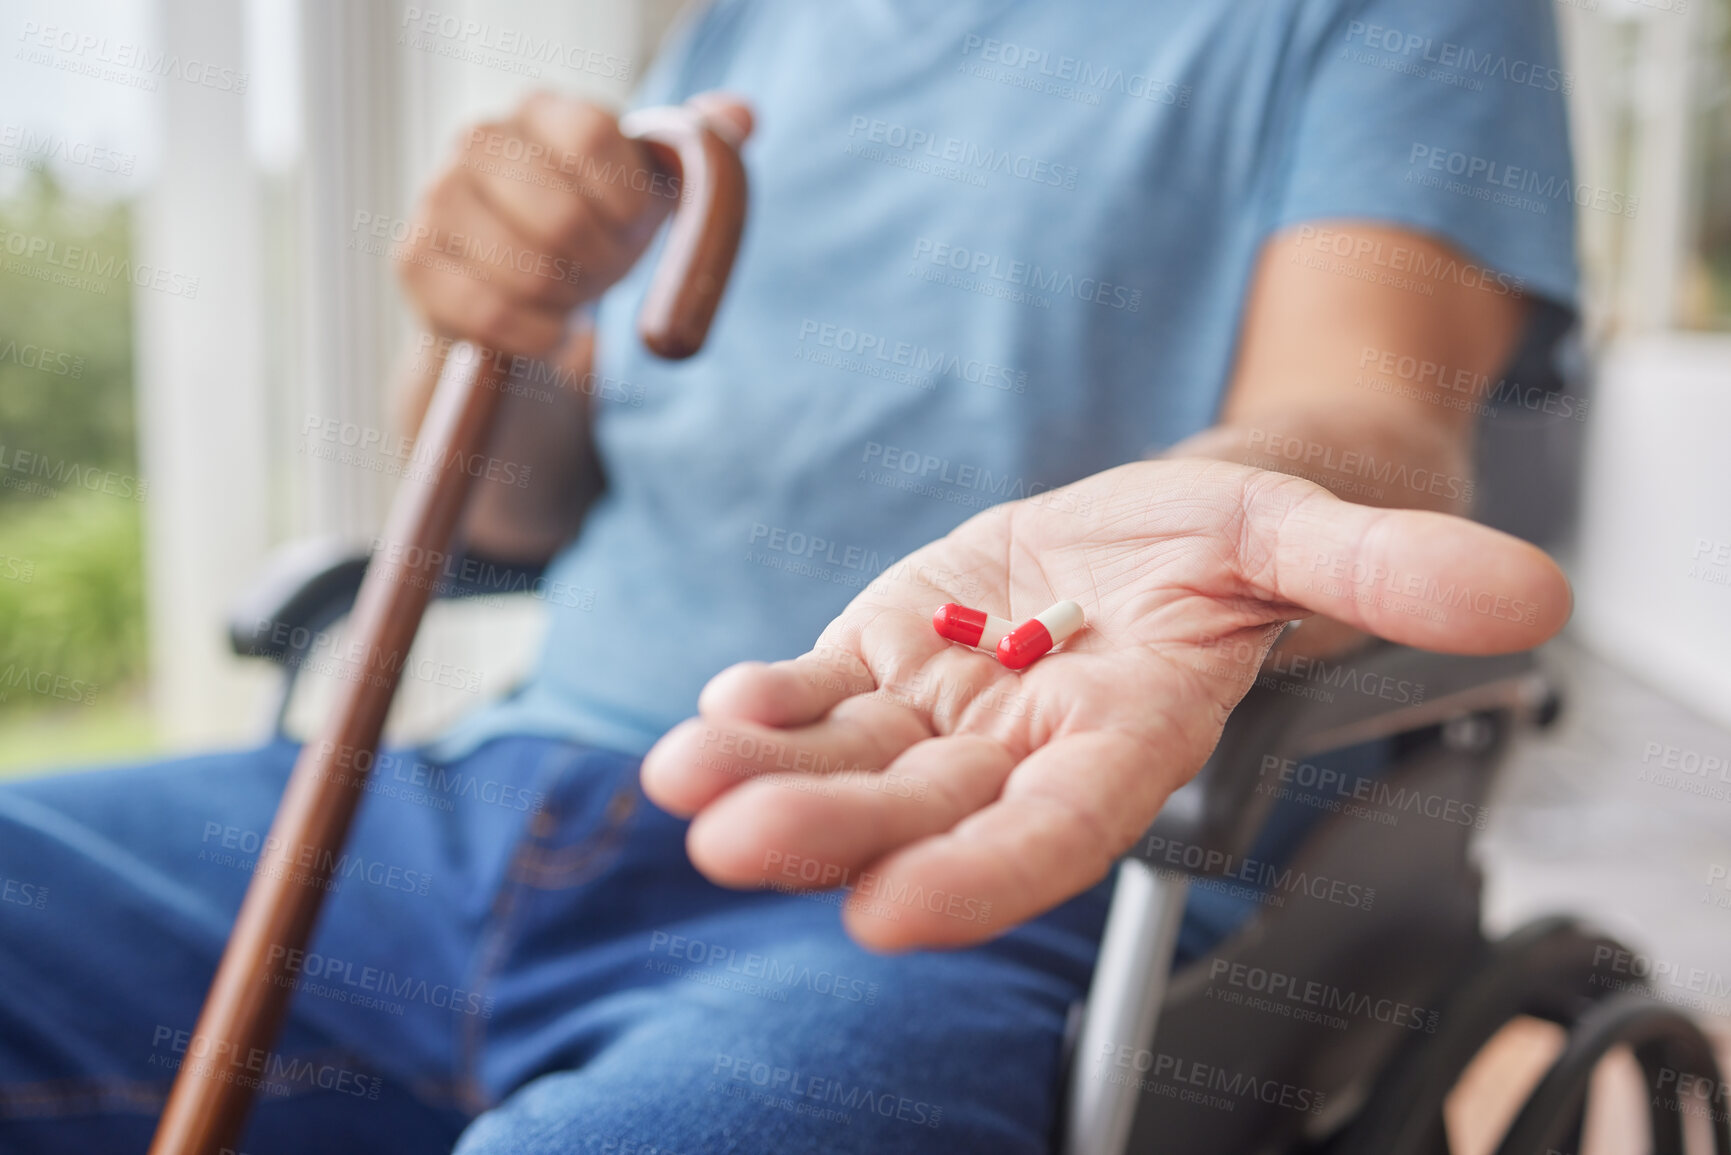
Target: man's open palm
990 796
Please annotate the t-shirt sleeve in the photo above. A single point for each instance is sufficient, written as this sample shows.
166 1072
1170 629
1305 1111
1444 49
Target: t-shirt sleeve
1447 116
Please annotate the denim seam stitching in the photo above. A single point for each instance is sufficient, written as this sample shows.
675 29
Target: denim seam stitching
570 866
501 930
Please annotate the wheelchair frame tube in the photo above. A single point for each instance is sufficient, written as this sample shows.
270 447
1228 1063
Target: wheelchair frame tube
1124 1000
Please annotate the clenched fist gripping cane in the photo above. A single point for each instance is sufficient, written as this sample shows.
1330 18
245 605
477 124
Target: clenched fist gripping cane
249 995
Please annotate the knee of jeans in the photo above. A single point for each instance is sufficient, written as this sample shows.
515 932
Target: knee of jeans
575 1114
569 1113
490 1134
494 1132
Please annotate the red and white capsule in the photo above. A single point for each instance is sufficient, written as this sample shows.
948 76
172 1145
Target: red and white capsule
970 627
1025 644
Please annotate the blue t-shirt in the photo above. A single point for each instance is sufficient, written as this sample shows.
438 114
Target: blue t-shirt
993 247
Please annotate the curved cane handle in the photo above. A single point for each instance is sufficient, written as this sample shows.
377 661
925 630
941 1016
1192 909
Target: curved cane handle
704 236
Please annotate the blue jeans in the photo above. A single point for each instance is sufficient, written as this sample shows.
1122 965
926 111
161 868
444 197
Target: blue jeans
517 957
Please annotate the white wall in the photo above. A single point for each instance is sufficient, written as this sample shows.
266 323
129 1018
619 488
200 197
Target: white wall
1657 501
1653 580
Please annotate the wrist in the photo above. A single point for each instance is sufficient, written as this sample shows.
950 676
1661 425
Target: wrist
1217 442
1366 459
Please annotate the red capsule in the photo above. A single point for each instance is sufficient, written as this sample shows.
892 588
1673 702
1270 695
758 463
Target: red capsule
1028 642
969 626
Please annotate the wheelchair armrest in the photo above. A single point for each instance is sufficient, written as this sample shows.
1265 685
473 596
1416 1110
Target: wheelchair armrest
306 586
1300 707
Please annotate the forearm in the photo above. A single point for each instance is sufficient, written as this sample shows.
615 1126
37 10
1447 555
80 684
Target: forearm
534 502
1300 400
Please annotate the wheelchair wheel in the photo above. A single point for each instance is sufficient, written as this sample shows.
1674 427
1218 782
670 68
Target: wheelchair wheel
1673 1055
1544 970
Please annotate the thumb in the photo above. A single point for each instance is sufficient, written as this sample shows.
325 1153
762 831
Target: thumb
727 113
1424 579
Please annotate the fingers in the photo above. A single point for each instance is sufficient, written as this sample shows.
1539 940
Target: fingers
503 254
799 830
535 215
793 693
561 174
1423 579
471 274
612 175
870 646
456 296
702 758
1066 814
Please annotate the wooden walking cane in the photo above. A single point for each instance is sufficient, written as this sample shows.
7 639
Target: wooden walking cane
243 1010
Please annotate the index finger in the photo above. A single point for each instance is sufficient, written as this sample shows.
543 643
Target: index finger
864 653
1066 814
560 169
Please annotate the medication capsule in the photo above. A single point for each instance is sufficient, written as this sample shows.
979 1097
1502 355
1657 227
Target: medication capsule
970 627
1028 641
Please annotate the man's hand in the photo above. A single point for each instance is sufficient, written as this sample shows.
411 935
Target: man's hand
987 790
535 215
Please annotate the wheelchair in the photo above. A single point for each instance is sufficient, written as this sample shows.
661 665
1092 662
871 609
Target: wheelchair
1338 1014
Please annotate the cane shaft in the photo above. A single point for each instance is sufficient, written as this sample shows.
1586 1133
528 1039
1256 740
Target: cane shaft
229 1051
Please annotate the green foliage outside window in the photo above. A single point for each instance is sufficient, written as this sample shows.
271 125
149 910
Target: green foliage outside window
71 542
